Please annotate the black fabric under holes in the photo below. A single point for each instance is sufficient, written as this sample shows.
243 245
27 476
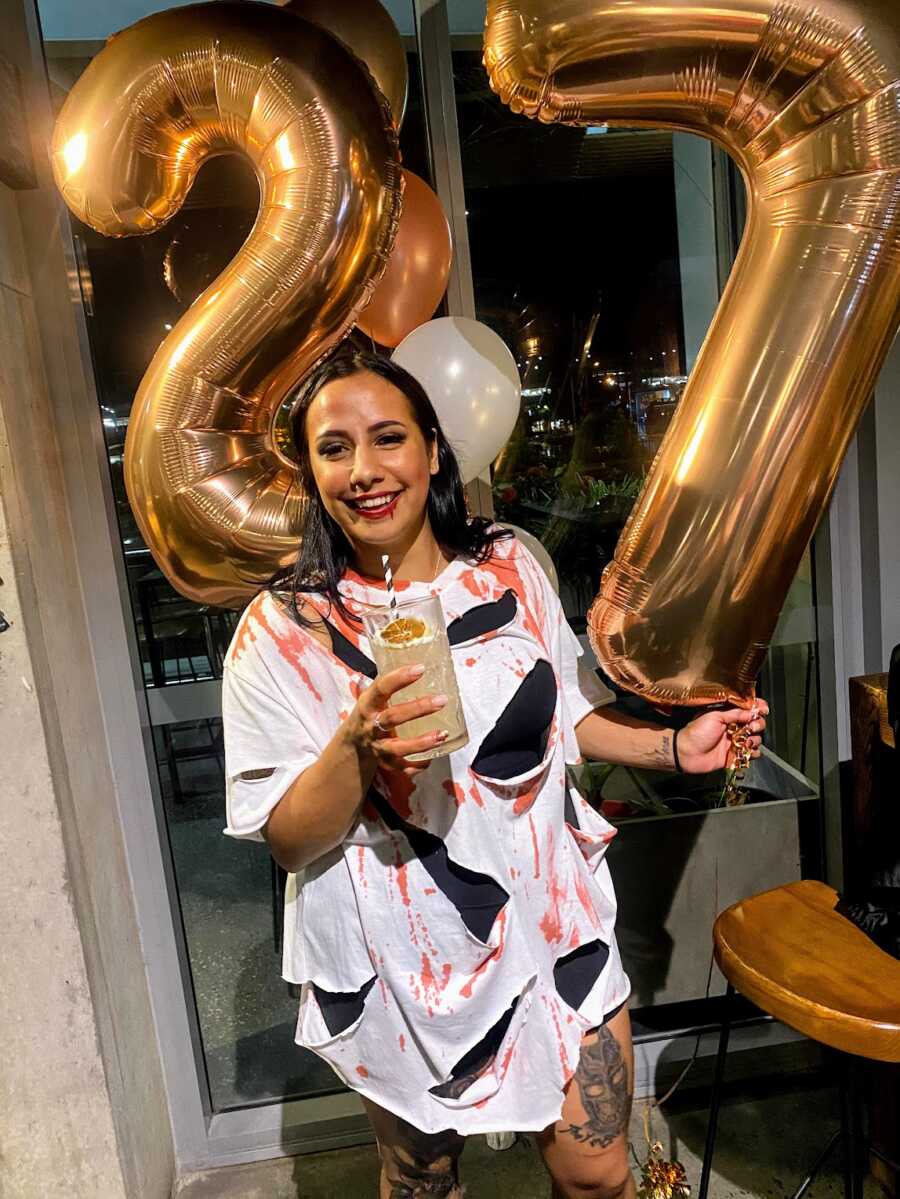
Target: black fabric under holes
518 741
570 815
576 973
344 649
475 1061
476 896
483 619
340 1009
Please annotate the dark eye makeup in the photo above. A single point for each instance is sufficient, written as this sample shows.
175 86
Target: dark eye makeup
330 449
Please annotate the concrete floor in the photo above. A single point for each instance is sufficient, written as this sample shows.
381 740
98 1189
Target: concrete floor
771 1129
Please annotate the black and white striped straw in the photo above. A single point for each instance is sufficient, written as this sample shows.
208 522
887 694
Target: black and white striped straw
389 579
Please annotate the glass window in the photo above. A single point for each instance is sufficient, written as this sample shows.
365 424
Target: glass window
230 896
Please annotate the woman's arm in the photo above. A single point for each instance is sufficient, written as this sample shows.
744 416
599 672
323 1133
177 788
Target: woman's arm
703 745
321 805
624 740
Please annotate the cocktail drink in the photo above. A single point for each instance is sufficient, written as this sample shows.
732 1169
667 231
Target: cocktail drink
414 633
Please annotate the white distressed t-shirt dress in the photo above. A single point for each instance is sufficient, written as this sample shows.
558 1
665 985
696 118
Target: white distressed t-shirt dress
456 947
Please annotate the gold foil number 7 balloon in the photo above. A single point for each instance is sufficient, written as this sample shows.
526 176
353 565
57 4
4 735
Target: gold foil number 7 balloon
806 98
217 504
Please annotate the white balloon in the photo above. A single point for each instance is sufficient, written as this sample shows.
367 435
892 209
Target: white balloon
472 381
539 550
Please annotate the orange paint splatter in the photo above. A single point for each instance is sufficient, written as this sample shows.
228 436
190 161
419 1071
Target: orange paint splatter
400 788
470 661
560 1040
466 990
432 986
534 843
455 791
292 646
431 890
474 792
584 899
526 800
402 1041
403 884
362 1071
473 584
551 921
245 632
530 606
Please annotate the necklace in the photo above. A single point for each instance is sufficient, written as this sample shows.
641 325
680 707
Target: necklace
435 570
437 565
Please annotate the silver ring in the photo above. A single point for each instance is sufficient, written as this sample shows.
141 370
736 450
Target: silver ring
379 725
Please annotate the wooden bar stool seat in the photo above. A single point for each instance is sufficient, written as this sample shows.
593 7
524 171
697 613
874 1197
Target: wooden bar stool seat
789 952
798 959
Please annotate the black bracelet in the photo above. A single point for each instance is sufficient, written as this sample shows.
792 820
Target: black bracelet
675 733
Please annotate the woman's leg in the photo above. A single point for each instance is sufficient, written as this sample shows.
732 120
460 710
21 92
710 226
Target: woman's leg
415 1164
586 1150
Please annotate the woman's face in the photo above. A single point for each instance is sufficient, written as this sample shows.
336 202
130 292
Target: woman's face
369 459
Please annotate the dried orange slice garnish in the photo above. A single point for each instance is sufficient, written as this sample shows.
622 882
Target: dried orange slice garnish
403 630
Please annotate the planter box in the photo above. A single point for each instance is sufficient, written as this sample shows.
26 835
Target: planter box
673 874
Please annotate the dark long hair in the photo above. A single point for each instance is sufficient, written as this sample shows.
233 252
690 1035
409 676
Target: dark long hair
325 552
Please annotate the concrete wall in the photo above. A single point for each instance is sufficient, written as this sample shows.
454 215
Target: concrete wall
56 1129
83 1109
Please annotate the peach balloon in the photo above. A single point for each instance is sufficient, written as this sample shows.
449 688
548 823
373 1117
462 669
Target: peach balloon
417 271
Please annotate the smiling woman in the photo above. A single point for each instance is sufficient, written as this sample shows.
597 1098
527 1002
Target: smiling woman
379 470
472 887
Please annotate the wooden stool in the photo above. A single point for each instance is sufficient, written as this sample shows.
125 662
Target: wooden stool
792 955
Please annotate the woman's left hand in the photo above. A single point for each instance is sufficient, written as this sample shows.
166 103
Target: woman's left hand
704 744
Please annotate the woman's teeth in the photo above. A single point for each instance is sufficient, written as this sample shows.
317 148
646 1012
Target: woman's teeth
379 502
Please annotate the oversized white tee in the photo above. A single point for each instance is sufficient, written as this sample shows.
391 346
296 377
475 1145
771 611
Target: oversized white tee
457 945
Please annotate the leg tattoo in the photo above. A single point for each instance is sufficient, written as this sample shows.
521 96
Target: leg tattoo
602 1078
419 1166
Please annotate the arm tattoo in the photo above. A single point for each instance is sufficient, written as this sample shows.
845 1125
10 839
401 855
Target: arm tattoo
665 751
602 1078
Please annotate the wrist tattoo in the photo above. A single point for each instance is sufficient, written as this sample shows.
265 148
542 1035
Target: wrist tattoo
666 749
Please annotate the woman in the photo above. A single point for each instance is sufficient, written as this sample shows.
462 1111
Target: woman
452 921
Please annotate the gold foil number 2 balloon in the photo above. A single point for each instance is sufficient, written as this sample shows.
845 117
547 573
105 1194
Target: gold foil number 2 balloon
806 98
216 503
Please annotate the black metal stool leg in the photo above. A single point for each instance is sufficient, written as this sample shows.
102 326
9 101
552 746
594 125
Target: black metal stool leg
817 1166
860 1145
716 1097
851 1131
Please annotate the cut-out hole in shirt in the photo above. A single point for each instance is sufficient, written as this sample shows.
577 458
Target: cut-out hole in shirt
518 741
348 653
482 619
577 972
476 1060
341 1009
477 897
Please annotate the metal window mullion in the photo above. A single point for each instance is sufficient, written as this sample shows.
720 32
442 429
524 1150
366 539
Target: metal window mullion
439 99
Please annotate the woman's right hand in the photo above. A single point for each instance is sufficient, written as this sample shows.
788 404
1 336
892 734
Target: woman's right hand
372 722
